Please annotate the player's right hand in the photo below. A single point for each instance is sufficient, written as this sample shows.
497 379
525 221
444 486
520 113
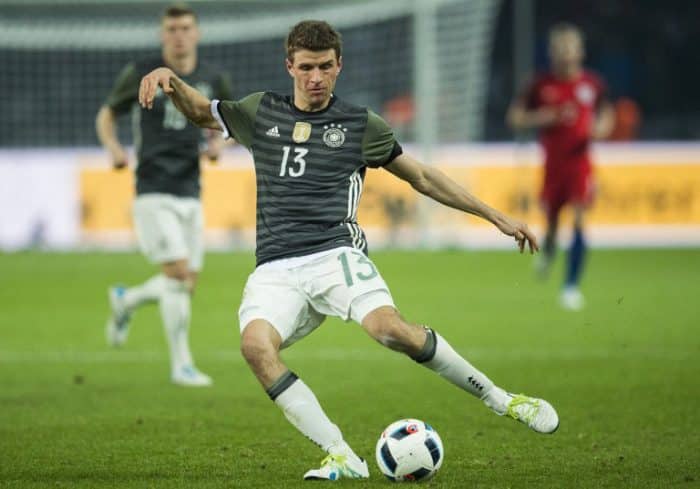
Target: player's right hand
160 77
548 116
119 159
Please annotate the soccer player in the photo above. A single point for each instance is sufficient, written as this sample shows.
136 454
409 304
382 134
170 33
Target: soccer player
569 107
167 212
311 151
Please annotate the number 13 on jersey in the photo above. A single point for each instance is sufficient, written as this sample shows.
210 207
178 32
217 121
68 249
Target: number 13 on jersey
299 154
364 269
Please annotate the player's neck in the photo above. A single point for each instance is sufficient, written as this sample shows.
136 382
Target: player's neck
567 72
182 65
305 106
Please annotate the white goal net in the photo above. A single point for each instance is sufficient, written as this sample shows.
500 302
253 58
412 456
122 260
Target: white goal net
423 64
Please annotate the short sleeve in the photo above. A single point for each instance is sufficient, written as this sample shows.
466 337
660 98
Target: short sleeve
601 90
125 90
379 146
223 91
237 118
529 94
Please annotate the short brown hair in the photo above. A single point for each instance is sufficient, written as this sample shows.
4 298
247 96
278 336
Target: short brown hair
314 35
565 27
178 10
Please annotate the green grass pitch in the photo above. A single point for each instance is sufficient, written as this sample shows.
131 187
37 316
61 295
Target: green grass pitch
624 375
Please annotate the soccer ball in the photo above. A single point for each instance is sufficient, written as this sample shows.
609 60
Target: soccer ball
409 450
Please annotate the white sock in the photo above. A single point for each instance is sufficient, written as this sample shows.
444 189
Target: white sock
149 291
175 312
451 366
303 410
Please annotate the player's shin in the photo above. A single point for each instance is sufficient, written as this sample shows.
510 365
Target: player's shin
439 356
577 254
302 409
149 291
175 312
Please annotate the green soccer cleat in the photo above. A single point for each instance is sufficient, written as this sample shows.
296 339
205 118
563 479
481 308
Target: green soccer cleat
538 414
335 467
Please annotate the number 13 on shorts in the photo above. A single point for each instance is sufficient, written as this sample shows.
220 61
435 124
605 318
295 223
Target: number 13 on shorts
356 267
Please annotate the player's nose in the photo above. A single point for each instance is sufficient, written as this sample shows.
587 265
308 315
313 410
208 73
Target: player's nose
316 76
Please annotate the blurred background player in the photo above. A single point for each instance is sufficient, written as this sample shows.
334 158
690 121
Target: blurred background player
569 108
167 212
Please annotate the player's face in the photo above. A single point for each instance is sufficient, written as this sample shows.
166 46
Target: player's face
179 35
566 48
314 74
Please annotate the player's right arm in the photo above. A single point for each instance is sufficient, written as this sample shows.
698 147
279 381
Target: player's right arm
188 100
520 117
526 113
106 126
119 101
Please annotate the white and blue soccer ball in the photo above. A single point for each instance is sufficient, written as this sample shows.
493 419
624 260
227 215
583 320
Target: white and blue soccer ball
409 450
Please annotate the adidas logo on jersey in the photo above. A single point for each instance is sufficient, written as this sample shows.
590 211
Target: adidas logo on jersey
274 132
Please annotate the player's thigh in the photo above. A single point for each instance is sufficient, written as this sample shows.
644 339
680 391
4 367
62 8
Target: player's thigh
273 296
192 218
158 229
583 189
346 284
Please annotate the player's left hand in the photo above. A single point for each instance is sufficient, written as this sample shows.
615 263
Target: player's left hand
520 232
214 146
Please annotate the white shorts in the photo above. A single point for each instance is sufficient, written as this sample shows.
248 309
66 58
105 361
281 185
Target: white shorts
170 228
295 295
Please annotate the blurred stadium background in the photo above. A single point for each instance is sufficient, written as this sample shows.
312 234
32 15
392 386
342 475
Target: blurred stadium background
623 373
441 71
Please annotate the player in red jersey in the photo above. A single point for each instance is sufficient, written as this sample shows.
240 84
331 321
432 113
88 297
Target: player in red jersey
569 108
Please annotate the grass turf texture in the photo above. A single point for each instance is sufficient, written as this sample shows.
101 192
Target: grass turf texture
623 375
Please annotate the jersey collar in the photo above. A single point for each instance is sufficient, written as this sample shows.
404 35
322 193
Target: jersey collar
297 110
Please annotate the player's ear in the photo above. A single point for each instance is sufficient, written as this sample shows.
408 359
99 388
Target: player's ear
340 65
289 66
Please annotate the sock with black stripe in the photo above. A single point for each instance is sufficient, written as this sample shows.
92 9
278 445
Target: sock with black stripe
303 410
440 357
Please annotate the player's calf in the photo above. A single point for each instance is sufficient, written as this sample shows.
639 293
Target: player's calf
387 327
438 355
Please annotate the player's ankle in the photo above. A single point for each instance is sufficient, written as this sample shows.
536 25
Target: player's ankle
497 399
342 448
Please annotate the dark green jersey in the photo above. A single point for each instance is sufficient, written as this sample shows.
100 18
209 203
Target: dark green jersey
310 168
167 144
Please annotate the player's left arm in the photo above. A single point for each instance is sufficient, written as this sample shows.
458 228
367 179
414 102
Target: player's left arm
215 141
430 181
605 114
605 121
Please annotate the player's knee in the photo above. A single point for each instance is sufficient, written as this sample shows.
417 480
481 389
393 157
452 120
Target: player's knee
192 281
256 345
177 270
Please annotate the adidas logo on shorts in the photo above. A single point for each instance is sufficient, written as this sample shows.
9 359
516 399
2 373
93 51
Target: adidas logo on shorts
274 132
